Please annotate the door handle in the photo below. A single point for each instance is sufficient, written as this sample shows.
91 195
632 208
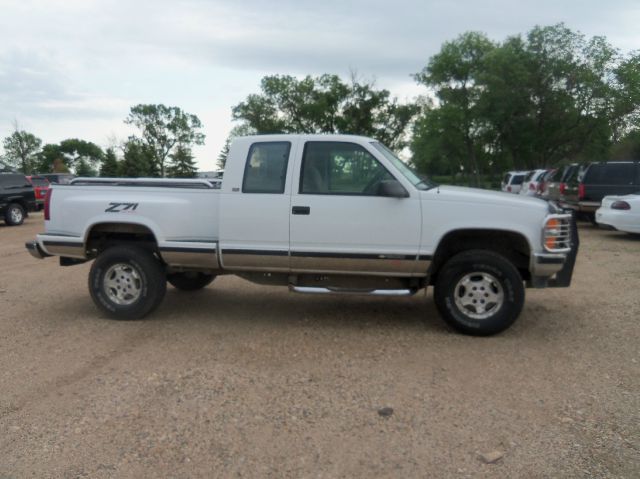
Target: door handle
301 210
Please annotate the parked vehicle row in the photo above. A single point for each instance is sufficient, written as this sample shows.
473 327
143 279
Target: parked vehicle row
17 198
20 194
605 193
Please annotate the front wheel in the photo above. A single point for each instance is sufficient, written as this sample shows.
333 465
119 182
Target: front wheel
127 282
479 292
191 281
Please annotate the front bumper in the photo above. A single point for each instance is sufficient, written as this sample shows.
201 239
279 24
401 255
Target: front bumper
555 270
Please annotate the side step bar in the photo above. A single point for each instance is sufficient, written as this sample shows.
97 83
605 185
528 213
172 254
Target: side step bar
373 292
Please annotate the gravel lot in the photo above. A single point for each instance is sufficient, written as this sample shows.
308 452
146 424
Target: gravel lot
240 380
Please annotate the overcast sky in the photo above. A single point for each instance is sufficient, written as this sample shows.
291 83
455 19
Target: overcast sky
72 68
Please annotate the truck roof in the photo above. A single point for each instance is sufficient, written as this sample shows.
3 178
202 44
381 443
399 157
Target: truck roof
305 136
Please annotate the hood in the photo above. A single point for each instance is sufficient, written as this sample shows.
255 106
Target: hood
476 195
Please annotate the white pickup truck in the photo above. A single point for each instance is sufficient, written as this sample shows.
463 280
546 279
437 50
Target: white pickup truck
316 213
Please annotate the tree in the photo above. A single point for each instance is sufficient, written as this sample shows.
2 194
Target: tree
529 102
46 158
163 128
81 154
453 74
110 166
21 149
83 168
182 164
138 161
325 104
628 148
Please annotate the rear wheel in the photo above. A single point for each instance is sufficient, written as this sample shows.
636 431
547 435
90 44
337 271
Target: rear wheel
479 292
14 215
127 282
190 281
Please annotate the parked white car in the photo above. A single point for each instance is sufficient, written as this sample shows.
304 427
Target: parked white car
620 212
531 182
512 181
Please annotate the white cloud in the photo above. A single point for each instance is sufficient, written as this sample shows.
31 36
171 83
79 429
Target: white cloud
73 67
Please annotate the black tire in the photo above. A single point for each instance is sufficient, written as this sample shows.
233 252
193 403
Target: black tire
190 281
14 215
140 271
499 289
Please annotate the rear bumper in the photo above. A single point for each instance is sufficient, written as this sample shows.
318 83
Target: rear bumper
35 250
555 270
582 206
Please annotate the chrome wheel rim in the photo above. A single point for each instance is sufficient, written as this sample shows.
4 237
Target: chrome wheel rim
122 284
16 215
479 295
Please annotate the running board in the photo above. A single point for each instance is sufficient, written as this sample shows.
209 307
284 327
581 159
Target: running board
372 292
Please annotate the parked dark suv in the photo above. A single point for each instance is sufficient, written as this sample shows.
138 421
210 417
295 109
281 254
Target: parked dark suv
584 192
16 198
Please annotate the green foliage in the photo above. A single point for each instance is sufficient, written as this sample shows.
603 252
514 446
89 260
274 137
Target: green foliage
163 128
325 104
20 151
47 156
456 129
84 168
628 148
110 166
82 156
139 160
528 102
181 163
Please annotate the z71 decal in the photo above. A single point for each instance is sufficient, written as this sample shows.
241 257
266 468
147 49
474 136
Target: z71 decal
121 207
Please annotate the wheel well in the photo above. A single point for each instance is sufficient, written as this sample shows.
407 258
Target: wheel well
513 246
105 235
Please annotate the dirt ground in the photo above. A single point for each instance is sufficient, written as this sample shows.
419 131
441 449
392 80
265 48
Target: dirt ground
240 380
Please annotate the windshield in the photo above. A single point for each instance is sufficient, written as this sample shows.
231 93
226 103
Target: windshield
39 181
420 182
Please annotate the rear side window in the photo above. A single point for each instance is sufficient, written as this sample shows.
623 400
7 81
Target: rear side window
13 181
529 176
39 181
266 167
517 179
505 180
611 174
568 173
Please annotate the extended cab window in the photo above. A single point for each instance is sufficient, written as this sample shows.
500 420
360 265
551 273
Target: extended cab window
337 168
266 168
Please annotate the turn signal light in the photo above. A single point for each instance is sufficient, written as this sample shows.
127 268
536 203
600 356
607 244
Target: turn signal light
47 202
620 205
581 192
563 187
553 230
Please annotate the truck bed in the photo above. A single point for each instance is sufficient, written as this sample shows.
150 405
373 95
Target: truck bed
181 213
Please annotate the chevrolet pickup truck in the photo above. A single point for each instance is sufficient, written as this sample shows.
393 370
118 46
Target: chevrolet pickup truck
319 214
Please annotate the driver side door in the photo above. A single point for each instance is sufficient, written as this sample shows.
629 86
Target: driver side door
340 224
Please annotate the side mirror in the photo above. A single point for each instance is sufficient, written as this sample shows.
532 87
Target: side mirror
392 188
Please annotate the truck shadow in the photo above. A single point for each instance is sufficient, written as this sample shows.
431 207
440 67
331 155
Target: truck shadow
278 308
